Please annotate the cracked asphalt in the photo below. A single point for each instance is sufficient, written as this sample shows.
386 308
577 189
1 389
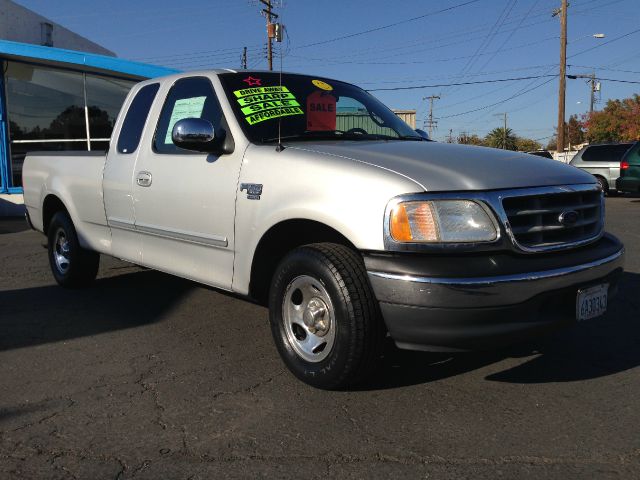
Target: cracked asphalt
147 376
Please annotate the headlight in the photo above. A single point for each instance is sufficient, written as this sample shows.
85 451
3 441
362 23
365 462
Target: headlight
441 221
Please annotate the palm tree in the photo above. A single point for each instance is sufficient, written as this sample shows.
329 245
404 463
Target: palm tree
499 138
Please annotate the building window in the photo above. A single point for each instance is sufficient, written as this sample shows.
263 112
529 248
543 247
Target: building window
48 109
46 33
105 96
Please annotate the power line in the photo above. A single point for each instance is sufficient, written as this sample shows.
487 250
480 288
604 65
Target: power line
490 36
435 77
605 43
604 68
615 80
390 25
217 51
459 83
513 31
449 59
501 101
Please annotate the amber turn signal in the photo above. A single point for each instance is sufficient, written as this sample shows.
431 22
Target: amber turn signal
413 222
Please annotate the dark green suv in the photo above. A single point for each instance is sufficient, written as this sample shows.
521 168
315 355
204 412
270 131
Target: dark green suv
629 180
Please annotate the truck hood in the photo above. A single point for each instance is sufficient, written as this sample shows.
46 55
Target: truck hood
447 167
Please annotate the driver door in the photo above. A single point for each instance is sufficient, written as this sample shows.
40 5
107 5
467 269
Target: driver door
184 201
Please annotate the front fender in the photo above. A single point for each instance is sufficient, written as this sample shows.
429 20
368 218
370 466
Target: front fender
347 196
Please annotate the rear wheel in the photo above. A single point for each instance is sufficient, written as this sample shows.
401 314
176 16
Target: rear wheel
604 185
324 316
72 266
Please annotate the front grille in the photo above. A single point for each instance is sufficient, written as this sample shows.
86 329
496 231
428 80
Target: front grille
535 219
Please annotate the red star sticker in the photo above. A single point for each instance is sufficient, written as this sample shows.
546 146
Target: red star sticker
253 82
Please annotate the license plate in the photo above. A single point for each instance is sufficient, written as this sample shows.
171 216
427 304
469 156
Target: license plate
592 302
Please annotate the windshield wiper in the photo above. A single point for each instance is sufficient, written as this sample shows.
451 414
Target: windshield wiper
414 138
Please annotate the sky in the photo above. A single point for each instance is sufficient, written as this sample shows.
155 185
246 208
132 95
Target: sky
381 45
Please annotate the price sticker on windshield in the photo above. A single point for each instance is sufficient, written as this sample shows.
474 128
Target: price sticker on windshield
321 111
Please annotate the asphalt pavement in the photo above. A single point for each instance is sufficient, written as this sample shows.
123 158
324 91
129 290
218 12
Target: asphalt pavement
149 376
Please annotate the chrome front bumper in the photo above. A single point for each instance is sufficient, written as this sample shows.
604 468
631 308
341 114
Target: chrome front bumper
489 291
476 312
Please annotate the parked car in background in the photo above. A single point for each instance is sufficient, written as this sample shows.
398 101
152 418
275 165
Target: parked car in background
629 180
542 153
602 161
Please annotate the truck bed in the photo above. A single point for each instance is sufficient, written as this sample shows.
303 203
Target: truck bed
76 179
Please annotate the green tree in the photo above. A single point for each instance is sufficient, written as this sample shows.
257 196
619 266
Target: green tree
466 139
618 121
527 144
575 131
498 138
552 143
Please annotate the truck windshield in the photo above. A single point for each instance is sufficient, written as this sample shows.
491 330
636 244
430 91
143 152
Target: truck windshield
300 108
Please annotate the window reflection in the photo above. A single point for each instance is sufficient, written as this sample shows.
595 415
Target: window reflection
46 110
105 96
44 103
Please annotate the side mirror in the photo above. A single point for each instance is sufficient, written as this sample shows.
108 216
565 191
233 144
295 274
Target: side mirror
195 134
423 134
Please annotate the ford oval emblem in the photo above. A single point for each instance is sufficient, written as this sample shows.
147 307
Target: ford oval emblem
568 218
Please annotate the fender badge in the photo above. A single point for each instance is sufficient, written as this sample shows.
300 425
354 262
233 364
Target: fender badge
254 190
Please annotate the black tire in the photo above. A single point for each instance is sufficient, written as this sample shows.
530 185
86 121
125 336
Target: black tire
603 184
357 339
72 266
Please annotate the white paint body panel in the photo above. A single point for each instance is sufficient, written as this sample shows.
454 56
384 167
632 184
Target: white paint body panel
77 181
344 195
193 221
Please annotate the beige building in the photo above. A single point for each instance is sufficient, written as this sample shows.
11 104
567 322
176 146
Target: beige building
19 24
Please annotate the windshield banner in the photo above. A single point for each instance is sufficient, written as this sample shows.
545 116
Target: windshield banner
264 103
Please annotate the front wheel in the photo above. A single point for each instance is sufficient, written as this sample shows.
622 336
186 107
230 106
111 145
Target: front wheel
72 266
324 316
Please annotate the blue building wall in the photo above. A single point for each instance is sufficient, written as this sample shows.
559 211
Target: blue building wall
63 59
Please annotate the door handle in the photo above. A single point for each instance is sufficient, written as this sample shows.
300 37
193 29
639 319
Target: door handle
144 179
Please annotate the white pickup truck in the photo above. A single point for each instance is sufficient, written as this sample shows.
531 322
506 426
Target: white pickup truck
309 195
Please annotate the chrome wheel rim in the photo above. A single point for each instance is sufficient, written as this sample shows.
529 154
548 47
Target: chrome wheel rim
61 250
309 318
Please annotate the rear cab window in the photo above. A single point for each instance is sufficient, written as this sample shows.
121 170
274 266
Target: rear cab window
136 117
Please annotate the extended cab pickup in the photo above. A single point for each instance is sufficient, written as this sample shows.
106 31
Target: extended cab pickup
309 195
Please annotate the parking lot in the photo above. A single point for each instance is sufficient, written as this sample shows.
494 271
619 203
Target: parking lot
146 375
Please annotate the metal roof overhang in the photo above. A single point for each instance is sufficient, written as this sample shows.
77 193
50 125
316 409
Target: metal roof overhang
86 62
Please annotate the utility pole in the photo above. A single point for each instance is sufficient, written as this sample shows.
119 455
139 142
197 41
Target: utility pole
244 58
268 13
430 122
563 71
594 86
504 142
504 130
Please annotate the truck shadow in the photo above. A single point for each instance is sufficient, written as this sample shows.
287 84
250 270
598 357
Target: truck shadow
596 348
39 315
13 225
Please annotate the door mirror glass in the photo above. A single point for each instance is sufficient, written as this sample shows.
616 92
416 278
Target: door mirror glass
195 134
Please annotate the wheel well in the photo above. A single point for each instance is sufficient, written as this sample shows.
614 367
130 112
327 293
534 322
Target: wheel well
50 207
280 240
602 177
